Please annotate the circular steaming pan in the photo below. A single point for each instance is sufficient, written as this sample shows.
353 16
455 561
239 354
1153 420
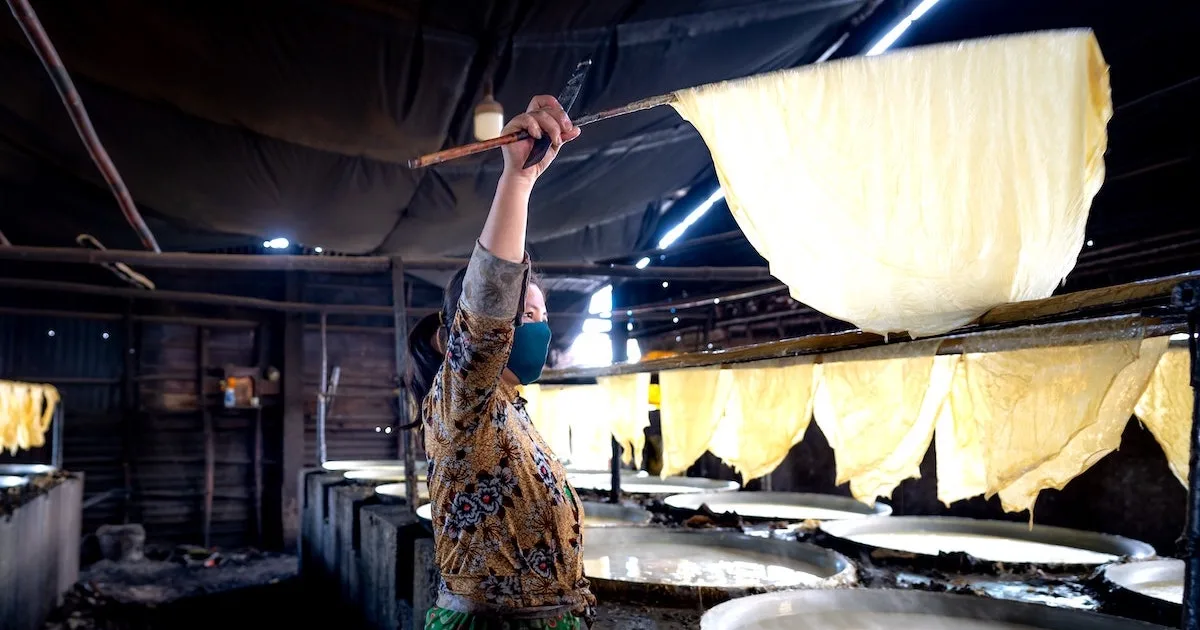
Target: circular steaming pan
341 465
608 515
882 609
12 481
1157 579
397 493
389 475
779 506
651 485
679 567
992 541
595 514
26 470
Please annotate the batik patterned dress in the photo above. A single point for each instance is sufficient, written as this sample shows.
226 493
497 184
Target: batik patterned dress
507 528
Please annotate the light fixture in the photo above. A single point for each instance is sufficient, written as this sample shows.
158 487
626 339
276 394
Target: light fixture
629 326
716 300
49 333
1090 242
890 38
104 335
388 430
277 243
318 249
674 320
666 284
489 116
674 233
641 264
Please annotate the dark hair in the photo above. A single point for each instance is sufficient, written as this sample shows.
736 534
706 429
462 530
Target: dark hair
423 338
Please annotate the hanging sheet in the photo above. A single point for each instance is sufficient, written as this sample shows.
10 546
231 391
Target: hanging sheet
1014 410
26 411
629 406
915 190
1094 442
1166 409
877 409
692 404
550 417
767 413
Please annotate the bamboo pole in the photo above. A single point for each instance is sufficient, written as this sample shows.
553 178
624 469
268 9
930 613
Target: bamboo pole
44 49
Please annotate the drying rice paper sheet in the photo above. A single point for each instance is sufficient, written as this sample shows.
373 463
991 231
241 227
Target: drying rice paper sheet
26 411
948 179
1094 442
1166 409
768 412
1011 411
551 416
877 409
629 406
692 404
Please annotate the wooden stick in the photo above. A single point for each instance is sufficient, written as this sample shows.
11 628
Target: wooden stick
487 145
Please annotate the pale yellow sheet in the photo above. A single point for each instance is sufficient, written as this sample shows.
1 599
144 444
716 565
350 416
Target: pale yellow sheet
877 408
915 190
629 405
692 404
26 411
1095 441
1166 409
550 416
768 412
1012 411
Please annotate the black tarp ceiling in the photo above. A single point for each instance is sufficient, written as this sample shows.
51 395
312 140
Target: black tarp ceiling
232 122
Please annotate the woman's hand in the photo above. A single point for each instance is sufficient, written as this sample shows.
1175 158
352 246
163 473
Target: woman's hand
544 117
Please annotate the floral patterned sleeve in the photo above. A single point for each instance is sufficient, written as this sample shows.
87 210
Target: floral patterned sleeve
478 346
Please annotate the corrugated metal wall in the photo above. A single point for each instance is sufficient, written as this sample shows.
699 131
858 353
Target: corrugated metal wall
85 366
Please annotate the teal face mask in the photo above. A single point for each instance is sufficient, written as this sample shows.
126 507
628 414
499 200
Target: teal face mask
531 345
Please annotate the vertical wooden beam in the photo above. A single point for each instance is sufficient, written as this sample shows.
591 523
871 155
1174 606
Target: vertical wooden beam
407 442
210 456
293 414
128 408
619 334
261 356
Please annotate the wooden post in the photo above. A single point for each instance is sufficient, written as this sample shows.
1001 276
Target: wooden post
407 436
1187 297
261 354
128 408
293 416
209 441
620 354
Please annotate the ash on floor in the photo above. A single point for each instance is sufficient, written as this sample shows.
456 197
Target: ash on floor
631 617
186 587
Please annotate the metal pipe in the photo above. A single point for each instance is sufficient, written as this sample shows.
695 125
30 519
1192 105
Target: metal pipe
321 392
356 264
1187 297
45 51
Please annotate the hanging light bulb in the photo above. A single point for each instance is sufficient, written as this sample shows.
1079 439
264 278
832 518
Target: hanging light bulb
489 116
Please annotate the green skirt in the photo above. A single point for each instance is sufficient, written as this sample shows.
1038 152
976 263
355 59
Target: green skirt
442 619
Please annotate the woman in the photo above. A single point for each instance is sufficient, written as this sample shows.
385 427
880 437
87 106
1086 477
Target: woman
507 526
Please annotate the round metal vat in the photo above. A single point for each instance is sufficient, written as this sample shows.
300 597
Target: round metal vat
12 481
779 506
398 493
379 475
863 609
26 470
688 568
1161 580
651 485
342 465
990 541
